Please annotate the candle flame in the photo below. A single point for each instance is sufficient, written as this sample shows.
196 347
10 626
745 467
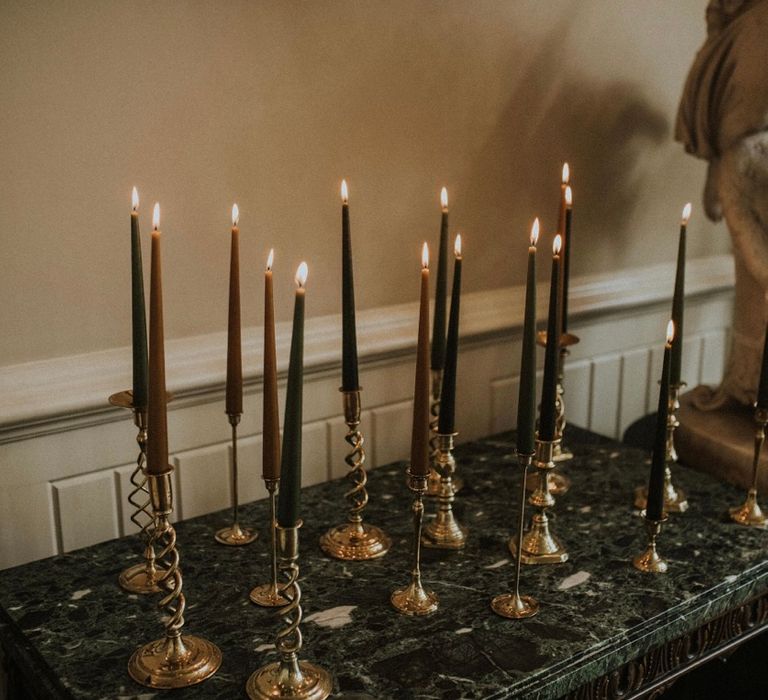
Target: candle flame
235 215
344 192
535 231
457 246
156 217
670 332
444 199
425 255
301 275
566 173
568 196
135 199
557 244
270 258
686 213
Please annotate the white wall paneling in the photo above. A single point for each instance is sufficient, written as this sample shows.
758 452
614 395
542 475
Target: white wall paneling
66 462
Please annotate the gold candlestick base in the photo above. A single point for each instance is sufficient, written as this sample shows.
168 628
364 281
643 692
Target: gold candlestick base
267 595
539 545
270 595
650 561
749 513
433 480
355 542
235 536
176 662
141 579
414 599
445 532
514 606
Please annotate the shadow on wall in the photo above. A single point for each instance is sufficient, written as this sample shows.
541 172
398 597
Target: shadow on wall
601 129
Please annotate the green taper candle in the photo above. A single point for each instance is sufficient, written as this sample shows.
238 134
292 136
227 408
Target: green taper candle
441 289
526 401
138 310
446 420
548 417
654 508
349 376
678 301
290 464
568 249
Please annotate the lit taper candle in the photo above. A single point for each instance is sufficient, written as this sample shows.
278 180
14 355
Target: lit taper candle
564 180
441 289
270 440
526 403
234 396
678 300
446 420
157 417
289 496
655 505
138 311
349 375
420 429
548 417
567 250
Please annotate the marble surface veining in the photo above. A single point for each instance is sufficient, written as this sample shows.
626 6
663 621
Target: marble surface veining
72 629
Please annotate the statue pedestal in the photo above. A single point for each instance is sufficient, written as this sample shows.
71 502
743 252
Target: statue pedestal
720 442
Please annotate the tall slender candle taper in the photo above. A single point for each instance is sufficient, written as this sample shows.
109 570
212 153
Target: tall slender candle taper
762 388
437 361
548 417
446 420
655 504
290 467
270 439
564 180
420 429
568 249
234 397
678 300
157 418
138 311
349 376
526 404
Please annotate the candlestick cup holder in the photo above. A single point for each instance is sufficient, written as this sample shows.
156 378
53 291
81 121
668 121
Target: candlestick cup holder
414 599
445 532
650 561
355 540
538 544
289 678
176 660
675 500
749 513
140 578
434 482
270 595
513 605
234 535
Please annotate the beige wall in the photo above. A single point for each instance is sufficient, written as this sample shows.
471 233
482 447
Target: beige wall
202 103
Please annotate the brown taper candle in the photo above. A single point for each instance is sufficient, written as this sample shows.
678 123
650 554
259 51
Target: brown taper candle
270 439
234 398
421 398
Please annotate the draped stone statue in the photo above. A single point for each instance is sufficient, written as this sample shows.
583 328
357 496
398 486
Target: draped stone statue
723 118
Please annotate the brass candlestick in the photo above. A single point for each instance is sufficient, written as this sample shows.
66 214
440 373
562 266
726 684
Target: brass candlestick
513 605
414 600
444 532
433 482
650 562
289 678
234 535
539 545
269 595
749 513
176 660
355 540
675 500
140 578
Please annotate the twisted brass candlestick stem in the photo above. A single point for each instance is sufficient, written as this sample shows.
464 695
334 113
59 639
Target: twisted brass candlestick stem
140 578
749 513
562 453
414 599
234 535
675 500
513 605
177 660
444 532
650 561
289 678
539 545
434 484
269 595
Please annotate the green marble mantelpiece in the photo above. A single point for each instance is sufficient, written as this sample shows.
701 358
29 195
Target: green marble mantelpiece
69 630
